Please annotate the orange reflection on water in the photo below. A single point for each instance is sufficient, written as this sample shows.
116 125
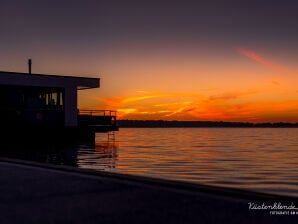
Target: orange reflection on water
261 159
108 146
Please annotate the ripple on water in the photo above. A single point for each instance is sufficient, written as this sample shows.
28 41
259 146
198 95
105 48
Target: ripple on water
257 159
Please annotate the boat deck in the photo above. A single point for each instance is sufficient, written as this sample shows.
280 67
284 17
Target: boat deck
98 120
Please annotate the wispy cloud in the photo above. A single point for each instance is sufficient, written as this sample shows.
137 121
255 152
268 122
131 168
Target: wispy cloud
159 98
138 98
142 91
210 89
226 106
275 82
230 95
151 105
127 110
275 67
180 106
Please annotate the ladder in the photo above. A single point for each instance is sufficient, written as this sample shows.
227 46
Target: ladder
111 136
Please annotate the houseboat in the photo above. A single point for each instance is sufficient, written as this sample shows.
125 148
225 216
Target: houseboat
43 108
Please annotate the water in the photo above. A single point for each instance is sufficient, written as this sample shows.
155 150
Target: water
257 159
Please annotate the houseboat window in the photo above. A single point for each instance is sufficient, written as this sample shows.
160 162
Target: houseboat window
53 98
60 99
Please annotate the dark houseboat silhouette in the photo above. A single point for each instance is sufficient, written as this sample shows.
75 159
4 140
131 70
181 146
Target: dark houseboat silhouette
39 107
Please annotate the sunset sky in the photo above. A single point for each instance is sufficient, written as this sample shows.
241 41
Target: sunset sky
172 60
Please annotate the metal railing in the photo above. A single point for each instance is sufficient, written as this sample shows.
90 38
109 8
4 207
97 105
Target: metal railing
110 113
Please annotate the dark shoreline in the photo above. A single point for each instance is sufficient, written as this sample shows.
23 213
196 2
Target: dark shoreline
199 124
42 193
230 192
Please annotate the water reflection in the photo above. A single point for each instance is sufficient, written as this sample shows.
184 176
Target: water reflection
261 159
101 155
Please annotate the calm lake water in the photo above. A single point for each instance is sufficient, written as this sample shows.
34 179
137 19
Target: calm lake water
258 159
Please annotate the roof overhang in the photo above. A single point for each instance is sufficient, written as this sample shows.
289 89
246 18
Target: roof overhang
25 79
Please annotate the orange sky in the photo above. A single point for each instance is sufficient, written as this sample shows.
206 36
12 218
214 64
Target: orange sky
245 86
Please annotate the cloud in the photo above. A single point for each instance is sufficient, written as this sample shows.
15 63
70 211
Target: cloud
138 98
151 105
265 62
180 110
172 104
142 91
210 89
127 110
158 97
230 95
225 106
275 82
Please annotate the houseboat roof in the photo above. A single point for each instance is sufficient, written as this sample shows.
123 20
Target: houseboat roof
26 79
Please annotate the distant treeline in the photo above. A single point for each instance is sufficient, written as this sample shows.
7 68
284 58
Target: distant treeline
175 124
